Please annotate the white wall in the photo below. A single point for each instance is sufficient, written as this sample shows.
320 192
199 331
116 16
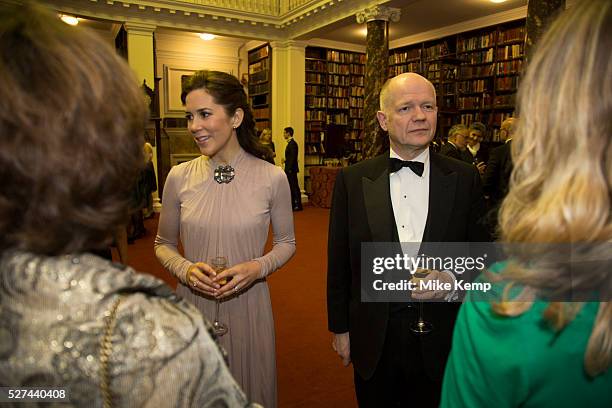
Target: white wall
181 53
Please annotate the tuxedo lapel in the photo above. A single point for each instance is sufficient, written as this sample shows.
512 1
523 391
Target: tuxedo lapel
377 200
442 186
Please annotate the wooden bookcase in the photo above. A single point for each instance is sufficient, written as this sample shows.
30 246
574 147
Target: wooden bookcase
475 73
260 85
334 105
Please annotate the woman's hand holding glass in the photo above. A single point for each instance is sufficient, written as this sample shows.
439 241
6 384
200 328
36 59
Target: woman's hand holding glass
239 276
200 277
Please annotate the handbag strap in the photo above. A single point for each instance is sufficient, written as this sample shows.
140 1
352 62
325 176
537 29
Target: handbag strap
106 349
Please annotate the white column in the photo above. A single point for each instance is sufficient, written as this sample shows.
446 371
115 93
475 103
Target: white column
288 90
140 59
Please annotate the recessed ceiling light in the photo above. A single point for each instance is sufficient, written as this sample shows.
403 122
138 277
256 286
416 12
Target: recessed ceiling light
207 37
72 20
497 1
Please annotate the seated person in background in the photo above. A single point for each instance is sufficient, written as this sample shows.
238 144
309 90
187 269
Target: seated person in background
456 147
497 175
529 347
69 319
478 151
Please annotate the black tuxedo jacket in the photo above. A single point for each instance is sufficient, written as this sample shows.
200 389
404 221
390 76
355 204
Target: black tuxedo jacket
497 175
362 212
291 157
482 155
450 150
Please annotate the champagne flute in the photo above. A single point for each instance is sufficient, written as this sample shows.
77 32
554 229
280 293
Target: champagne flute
219 264
421 326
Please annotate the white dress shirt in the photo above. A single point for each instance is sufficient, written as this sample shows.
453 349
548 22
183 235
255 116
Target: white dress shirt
410 199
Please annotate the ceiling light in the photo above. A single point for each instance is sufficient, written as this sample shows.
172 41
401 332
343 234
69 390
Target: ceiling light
72 20
207 37
497 1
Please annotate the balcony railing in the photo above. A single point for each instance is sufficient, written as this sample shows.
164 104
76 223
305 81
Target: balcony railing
266 7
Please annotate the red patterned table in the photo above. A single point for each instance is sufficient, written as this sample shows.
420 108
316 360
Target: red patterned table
322 181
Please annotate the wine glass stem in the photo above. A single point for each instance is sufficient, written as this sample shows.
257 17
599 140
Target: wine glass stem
420 311
217 311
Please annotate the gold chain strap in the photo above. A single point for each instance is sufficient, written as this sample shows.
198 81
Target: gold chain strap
106 349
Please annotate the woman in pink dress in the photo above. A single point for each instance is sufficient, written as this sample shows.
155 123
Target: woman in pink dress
222 203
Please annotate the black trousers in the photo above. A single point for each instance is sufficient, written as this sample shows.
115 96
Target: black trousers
400 379
296 195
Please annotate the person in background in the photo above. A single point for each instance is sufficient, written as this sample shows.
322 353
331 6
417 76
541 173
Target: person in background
528 346
456 147
104 334
497 175
478 151
266 139
150 180
222 204
292 169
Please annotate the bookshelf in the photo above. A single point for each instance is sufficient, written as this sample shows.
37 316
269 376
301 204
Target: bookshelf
476 74
260 92
334 105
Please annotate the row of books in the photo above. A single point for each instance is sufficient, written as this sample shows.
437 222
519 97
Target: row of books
356 102
405 56
315 89
261 53
261 113
315 101
258 66
346 57
337 92
356 112
509 67
510 51
316 65
475 85
478 57
260 76
313 126
481 41
337 103
357 91
511 35
338 80
509 83
259 88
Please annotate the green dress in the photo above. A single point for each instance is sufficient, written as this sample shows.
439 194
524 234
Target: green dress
498 361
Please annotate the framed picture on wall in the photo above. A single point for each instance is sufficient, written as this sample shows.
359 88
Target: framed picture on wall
175 79
174 83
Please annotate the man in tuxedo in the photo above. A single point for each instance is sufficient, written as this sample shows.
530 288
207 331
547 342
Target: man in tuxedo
291 169
497 176
457 143
433 199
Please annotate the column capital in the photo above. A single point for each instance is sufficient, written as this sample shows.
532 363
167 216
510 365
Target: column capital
139 28
288 44
379 13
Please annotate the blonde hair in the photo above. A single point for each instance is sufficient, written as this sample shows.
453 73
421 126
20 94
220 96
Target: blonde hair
561 185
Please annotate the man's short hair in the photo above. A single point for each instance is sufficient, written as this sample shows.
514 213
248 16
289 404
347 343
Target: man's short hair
456 129
289 130
478 126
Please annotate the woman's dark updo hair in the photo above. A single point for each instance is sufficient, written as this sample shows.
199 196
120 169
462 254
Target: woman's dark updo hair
228 92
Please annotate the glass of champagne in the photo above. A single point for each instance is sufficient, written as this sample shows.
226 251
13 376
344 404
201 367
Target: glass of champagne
421 326
219 264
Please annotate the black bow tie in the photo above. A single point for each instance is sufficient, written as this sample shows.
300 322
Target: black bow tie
397 164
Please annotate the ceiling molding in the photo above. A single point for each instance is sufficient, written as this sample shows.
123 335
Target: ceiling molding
321 42
514 14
